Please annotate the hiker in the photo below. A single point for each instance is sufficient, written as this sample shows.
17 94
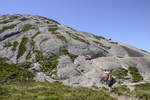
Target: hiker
109 80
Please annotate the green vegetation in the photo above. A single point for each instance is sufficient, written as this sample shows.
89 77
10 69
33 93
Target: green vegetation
44 40
16 83
54 72
77 38
48 64
80 35
136 77
36 35
114 42
24 65
50 91
11 18
15 44
22 47
28 55
4 28
14 73
3 59
98 37
38 55
107 47
99 55
51 20
32 43
61 37
27 27
52 28
71 28
72 56
120 73
122 90
7 44
6 21
142 91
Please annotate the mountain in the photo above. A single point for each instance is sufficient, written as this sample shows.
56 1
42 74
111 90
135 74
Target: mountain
42 49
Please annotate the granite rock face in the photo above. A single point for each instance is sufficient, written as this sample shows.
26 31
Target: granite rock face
60 53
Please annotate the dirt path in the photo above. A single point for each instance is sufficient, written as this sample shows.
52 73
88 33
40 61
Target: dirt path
123 97
131 86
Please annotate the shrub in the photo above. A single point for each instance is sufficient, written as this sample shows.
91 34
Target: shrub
6 21
77 38
22 47
72 56
51 63
11 18
136 77
61 37
121 90
32 43
48 64
44 40
14 73
27 27
38 55
3 59
114 43
49 20
107 47
28 55
120 73
36 35
7 44
98 37
15 44
52 28
4 28
99 55
142 91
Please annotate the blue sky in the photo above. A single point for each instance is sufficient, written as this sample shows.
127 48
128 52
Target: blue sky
127 21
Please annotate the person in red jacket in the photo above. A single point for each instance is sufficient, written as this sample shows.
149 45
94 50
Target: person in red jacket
107 76
108 80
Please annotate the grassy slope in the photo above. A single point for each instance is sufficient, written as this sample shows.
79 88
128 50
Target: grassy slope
49 91
143 91
16 83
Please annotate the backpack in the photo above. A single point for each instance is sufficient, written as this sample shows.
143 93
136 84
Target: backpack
111 81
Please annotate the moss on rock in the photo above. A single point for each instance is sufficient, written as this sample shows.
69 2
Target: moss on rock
4 28
15 44
7 44
136 77
35 35
28 55
22 47
77 38
27 27
120 73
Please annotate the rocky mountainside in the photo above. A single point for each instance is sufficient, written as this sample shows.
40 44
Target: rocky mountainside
56 52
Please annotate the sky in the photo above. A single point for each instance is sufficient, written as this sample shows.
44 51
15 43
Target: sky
126 21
